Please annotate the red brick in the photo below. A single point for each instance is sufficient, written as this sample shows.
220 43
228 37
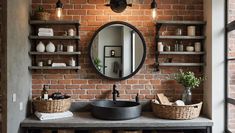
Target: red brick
87 97
79 81
54 76
96 1
64 81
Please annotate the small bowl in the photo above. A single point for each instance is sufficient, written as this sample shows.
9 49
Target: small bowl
190 48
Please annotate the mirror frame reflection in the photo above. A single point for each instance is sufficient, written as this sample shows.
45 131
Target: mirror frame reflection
129 26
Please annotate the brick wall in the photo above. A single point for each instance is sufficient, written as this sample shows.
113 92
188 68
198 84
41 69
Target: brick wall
86 84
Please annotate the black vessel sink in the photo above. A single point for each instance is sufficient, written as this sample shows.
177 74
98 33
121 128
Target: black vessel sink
115 110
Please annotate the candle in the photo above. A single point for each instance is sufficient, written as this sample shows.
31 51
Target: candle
70 48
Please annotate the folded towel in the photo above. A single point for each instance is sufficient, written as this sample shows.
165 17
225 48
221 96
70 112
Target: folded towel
46 30
116 67
58 65
51 116
45 34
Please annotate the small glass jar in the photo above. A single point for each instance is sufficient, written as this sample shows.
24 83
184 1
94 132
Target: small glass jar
179 32
40 63
60 48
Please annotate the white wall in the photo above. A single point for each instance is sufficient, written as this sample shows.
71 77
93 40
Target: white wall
110 36
215 43
126 51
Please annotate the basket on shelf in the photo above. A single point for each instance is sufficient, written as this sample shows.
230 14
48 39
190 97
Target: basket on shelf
42 15
175 112
51 106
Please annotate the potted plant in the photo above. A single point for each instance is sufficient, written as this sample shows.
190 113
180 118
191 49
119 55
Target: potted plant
189 81
41 14
97 63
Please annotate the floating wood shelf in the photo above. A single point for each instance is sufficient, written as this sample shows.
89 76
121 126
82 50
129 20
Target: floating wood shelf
54 53
183 37
181 22
54 68
54 37
181 64
180 53
53 22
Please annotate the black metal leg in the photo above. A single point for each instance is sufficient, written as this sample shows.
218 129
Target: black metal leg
209 130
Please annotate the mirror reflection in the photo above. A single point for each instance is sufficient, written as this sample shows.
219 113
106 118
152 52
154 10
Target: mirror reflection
117 51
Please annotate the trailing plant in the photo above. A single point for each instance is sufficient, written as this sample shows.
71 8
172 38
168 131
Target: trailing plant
188 79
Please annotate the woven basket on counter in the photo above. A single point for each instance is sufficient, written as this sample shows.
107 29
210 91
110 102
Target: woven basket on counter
177 112
51 106
42 15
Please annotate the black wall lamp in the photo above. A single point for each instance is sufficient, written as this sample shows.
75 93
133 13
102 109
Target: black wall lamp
118 6
59 7
154 9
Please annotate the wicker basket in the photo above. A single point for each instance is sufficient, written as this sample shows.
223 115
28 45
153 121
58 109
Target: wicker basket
177 112
42 15
51 106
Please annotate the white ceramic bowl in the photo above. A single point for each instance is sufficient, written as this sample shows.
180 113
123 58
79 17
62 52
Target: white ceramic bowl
190 48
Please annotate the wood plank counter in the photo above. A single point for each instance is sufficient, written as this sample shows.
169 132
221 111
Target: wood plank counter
84 121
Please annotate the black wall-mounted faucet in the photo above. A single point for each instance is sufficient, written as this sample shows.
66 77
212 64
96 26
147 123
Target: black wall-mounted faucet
115 92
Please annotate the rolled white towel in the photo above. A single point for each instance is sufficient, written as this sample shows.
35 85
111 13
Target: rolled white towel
58 65
45 34
179 103
51 116
45 30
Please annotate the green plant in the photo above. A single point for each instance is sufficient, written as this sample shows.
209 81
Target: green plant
97 62
39 9
188 79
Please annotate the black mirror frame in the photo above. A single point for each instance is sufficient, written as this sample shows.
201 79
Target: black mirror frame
141 37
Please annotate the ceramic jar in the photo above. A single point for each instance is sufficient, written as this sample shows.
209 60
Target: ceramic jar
50 47
71 32
197 46
160 46
40 47
191 30
72 62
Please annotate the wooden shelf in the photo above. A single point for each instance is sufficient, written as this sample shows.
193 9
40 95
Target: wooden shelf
183 37
181 64
181 22
54 37
54 53
180 53
54 68
53 22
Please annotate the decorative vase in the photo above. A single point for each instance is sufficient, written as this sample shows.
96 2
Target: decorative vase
50 47
187 96
40 47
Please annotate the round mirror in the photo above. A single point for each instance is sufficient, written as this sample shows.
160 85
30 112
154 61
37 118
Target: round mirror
117 50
